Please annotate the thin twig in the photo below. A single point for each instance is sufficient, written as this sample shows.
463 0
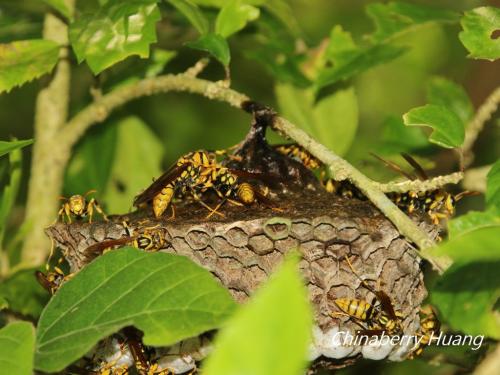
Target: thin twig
421 186
197 68
341 169
483 114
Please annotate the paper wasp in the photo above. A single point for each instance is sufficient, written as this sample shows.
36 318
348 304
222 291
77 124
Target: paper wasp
429 326
379 318
194 174
78 207
438 204
147 239
296 152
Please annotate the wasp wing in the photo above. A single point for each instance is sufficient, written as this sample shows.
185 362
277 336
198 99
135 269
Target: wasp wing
169 176
97 249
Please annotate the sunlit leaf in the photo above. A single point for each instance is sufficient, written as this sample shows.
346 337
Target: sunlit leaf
166 296
9 191
446 93
117 30
25 60
493 187
448 129
465 296
349 59
473 220
193 14
214 44
397 138
17 343
6 147
333 120
159 59
24 294
92 161
62 7
393 18
234 16
477 36
270 334
138 149
478 245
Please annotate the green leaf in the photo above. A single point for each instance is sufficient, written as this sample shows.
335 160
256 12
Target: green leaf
448 129
3 303
17 343
234 16
160 58
117 30
139 150
6 147
397 138
62 7
394 18
214 44
25 60
446 93
493 187
92 161
270 334
466 295
349 59
10 190
166 296
477 36
24 294
193 14
333 120
276 50
478 245
473 220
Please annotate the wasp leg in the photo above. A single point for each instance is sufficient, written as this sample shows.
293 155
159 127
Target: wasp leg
67 212
90 208
172 207
198 199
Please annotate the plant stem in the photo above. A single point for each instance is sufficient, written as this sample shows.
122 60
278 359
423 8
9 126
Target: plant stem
47 170
483 114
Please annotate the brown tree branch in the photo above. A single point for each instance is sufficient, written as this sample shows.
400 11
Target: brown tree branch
46 168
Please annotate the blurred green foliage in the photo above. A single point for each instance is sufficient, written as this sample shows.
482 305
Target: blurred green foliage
344 71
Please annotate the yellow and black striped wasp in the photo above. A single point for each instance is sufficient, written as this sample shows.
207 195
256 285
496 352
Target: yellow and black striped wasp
147 239
379 318
191 170
438 204
77 206
197 173
429 327
298 153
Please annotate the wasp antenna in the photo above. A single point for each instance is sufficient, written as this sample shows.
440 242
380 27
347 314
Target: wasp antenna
418 168
62 198
393 166
90 192
466 193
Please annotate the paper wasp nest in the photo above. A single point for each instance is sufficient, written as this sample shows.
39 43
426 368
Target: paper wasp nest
245 248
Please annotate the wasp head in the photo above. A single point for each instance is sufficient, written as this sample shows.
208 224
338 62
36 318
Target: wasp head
77 204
